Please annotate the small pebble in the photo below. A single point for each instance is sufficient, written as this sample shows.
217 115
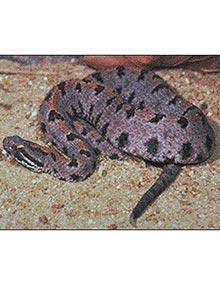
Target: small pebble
30 83
34 181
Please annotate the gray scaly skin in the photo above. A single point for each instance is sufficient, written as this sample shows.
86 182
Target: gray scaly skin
119 114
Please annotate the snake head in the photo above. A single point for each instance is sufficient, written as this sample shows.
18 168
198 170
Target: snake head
23 152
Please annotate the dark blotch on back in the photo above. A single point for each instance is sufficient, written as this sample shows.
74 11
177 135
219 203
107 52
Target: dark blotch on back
43 127
131 97
141 105
118 108
142 74
174 100
104 129
186 150
99 89
183 122
157 118
109 101
54 115
98 76
75 177
159 87
120 71
73 163
119 89
78 87
208 142
70 137
61 87
85 152
130 113
48 96
123 139
114 156
152 146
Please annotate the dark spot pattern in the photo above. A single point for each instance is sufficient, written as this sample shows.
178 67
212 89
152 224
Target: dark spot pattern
141 105
186 150
208 143
97 76
84 132
104 129
70 137
73 163
130 113
131 97
159 87
142 74
78 87
53 156
75 177
43 128
174 100
157 118
85 152
97 119
99 89
189 109
48 96
110 101
119 107
81 108
91 108
97 151
54 115
114 156
72 117
65 151
120 71
183 122
119 90
61 87
152 146
123 139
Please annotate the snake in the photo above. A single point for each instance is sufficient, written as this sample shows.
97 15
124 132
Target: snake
119 114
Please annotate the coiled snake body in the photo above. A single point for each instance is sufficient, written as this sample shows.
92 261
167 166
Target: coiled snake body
119 114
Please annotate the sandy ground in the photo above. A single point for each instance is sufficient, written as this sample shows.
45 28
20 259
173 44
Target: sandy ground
105 200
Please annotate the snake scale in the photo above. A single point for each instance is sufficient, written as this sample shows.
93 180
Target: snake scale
119 114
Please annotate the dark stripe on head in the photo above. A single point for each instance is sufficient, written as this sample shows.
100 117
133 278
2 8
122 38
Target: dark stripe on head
142 74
